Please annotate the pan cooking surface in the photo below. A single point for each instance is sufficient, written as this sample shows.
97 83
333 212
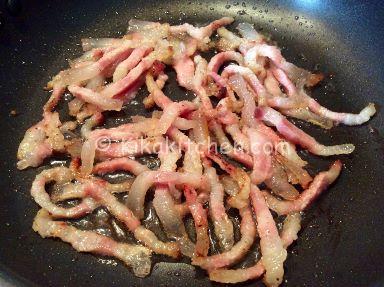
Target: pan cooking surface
340 244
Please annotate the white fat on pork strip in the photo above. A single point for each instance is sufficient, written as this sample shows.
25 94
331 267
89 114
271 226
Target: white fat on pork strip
291 227
306 114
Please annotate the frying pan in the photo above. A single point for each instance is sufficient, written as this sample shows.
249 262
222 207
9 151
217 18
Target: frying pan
341 240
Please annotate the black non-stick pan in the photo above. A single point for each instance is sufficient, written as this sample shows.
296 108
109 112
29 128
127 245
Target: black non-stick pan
341 243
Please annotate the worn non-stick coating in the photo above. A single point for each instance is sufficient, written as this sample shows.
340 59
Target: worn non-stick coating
341 241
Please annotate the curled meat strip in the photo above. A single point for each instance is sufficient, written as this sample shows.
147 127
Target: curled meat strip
201 222
239 199
199 82
228 41
239 85
279 184
123 68
123 164
227 147
122 88
130 142
248 32
171 112
219 59
183 64
261 149
95 193
76 190
79 74
96 190
319 184
272 249
203 33
297 136
344 118
222 224
94 98
146 179
40 141
135 256
239 249
135 147
291 227
160 83
166 208
33 148
263 98
42 198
